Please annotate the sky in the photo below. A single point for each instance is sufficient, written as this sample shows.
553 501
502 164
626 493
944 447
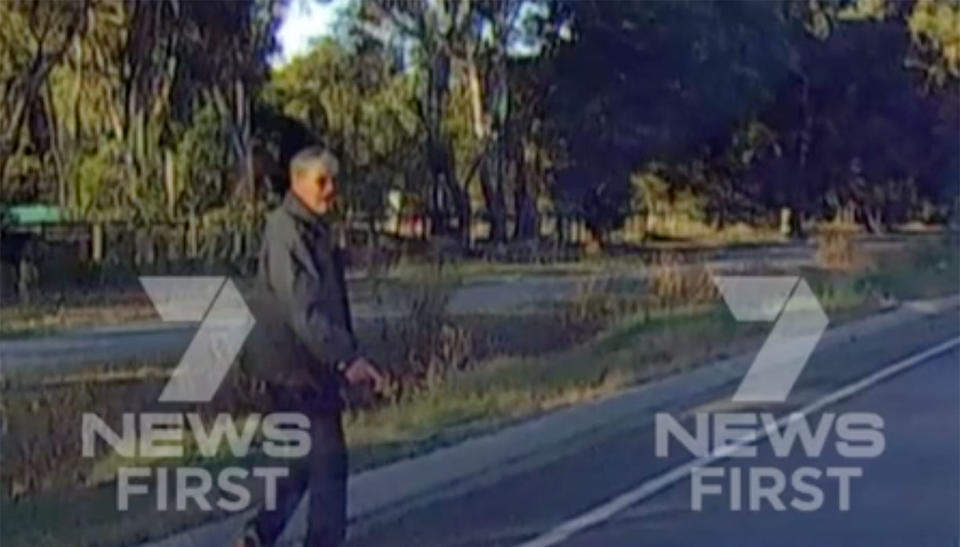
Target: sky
305 21
309 19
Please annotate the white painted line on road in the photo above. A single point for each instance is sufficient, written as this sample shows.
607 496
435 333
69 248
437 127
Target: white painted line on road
646 489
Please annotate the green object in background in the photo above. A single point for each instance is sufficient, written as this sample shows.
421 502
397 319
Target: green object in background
34 213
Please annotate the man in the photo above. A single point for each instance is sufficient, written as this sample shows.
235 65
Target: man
304 349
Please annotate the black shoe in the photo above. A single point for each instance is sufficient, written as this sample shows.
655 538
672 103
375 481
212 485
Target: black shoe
250 538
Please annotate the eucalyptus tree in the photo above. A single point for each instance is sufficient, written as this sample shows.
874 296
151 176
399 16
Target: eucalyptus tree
462 52
425 33
34 39
361 108
935 28
643 82
115 86
870 139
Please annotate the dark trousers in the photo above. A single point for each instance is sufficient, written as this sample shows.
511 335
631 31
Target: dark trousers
322 474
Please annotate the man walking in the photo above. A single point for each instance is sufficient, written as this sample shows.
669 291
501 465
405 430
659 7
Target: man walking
304 348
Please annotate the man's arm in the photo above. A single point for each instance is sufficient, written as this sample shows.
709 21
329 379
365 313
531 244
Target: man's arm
298 285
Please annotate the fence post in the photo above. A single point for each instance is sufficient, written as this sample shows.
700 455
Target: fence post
96 242
236 251
192 236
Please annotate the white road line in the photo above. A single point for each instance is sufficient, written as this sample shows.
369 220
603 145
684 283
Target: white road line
646 489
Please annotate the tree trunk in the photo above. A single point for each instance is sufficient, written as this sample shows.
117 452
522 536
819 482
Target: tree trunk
446 195
169 182
796 223
493 196
526 208
459 195
873 219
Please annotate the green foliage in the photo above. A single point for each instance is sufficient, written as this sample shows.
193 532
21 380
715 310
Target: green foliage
935 26
154 111
657 197
99 95
203 157
362 110
757 106
96 174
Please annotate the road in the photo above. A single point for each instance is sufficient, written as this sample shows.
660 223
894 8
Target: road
498 294
116 344
906 496
617 492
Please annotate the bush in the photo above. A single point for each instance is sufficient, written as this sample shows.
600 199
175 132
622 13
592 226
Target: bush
837 249
676 283
425 344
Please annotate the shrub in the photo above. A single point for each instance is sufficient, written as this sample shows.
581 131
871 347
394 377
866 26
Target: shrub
425 345
675 283
837 249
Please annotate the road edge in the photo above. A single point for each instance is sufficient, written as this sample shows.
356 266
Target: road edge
381 494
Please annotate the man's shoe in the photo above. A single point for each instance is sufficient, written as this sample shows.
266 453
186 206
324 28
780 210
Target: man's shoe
250 538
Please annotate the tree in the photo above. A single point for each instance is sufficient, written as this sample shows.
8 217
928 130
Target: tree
867 139
757 105
114 85
362 110
935 29
33 40
464 50
432 30
656 81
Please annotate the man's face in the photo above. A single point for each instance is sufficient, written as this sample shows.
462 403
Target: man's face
318 191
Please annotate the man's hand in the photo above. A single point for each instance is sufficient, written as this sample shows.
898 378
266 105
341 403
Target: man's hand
363 372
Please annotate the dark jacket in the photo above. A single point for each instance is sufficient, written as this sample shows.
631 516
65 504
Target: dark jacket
303 328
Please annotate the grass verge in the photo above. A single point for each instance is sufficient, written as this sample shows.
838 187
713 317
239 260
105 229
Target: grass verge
502 390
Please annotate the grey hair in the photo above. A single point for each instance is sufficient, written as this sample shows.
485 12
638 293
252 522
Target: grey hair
314 159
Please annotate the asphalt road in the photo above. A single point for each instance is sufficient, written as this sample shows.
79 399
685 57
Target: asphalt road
617 492
906 496
117 344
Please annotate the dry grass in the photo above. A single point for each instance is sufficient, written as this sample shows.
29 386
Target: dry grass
424 345
923 271
49 316
453 382
837 249
674 282
707 234
507 388
671 284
